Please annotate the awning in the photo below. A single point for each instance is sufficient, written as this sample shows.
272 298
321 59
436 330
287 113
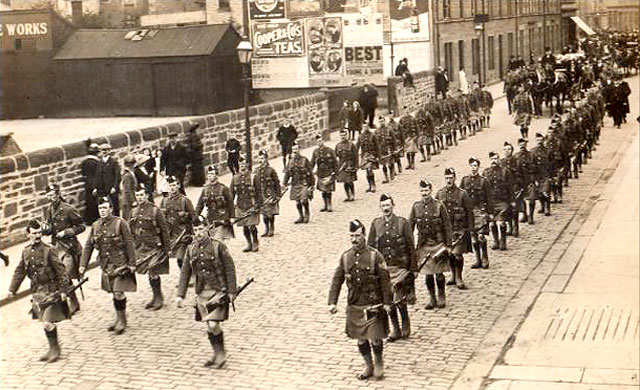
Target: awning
583 26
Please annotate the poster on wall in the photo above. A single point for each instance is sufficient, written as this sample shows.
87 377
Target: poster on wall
303 8
409 21
283 39
266 9
283 72
363 36
324 50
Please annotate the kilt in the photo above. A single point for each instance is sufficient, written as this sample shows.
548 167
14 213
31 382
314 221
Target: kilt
271 208
125 283
422 140
70 252
348 175
369 161
523 119
403 284
388 160
358 327
480 221
251 220
410 145
502 211
300 192
221 230
464 246
57 312
530 192
220 313
326 184
544 186
436 265
145 248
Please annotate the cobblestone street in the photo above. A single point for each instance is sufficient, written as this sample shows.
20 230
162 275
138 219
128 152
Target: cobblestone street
282 335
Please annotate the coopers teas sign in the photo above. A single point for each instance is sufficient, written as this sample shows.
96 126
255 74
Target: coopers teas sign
278 39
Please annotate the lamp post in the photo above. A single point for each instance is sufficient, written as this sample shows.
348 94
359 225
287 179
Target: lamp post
245 52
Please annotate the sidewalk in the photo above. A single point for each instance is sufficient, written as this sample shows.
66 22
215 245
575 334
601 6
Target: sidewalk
582 332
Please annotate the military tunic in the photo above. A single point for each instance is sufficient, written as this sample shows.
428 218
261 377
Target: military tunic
327 166
215 275
369 150
461 216
543 171
432 220
347 154
244 193
387 144
128 185
267 185
300 172
112 237
393 238
409 128
398 136
217 198
40 263
502 185
424 122
151 236
179 213
522 106
63 217
368 281
481 195
528 170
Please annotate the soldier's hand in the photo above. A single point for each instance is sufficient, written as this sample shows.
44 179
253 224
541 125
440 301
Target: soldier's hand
333 309
10 295
112 191
63 297
60 234
387 308
449 249
182 213
81 270
94 192
179 302
132 268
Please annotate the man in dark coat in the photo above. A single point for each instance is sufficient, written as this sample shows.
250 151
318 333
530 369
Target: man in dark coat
233 154
194 142
174 159
89 169
286 135
442 82
369 103
107 179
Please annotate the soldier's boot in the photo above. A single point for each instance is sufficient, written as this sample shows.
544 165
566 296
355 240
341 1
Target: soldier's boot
399 166
74 303
365 351
329 203
408 160
488 120
547 211
324 200
406 322
392 172
441 297
307 213
495 240
255 245
378 364
121 316
532 209
525 217
476 250
272 225
459 267
452 266
485 253
46 355
516 227
54 347
503 237
116 305
265 220
395 326
247 236
424 156
213 342
373 184
386 175
523 132
157 300
428 152
431 289
300 214
220 353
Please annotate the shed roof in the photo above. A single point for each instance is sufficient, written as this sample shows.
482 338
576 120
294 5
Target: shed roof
143 42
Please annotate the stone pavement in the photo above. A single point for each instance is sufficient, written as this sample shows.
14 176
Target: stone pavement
282 335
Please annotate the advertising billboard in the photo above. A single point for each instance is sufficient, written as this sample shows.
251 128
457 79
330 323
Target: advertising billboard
266 9
282 39
408 20
324 45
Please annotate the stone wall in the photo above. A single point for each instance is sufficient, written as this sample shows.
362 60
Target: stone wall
25 176
414 97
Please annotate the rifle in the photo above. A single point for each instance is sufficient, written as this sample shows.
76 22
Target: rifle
274 199
146 263
54 298
371 311
442 250
222 299
178 239
250 212
329 179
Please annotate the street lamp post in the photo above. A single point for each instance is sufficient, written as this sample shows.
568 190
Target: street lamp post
245 52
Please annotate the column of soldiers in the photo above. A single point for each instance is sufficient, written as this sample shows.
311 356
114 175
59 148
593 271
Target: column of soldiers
379 271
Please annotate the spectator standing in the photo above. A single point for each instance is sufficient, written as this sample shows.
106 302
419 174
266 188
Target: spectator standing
286 135
233 154
107 179
442 82
356 119
89 170
195 146
369 103
174 159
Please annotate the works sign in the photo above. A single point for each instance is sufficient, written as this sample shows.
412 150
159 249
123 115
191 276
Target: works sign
24 29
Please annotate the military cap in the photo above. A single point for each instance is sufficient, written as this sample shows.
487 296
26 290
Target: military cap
194 127
356 225
294 143
492 154
34 223
522 140
104 199
506 143
53 187
140 187
263 153
212 168
385 196
200 221
129 160
424 183
172 134
171 179
141 159
473 159
344 131
94 147
539 135
381 117
449 172
318 136
105 146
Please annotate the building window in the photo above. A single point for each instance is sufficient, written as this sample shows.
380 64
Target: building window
448 59
17 44
475 55
223 4
446 9
492 56
510 45
460 54
461 8
509 7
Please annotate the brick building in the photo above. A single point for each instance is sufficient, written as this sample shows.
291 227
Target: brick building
481 35
620 15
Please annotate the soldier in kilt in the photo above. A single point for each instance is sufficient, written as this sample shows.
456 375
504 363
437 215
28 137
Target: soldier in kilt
424 122
387 144
347 154
369 156
392 236
217 198
501 182
409 129
369 299
179 213
215 279
327 168
431 219
433 108
151 236
523 108
528 169
542 161
112 237
247 209
300 172
48 275
510 163
487 105
267 185
63 223
460 212
398 135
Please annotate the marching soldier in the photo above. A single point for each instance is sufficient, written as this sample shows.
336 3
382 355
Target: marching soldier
424 125
460 212
267 186
151 237
327 167
215 279
434 110
392 236
398 139
407 126
300 172
543 169
369 298
347 154
528 170
430 217
247 208
217 198
510 163
387 144
63 223
128 186
487 105
48 276
481 195
369 154
112 237
179 214
523 108
501 182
